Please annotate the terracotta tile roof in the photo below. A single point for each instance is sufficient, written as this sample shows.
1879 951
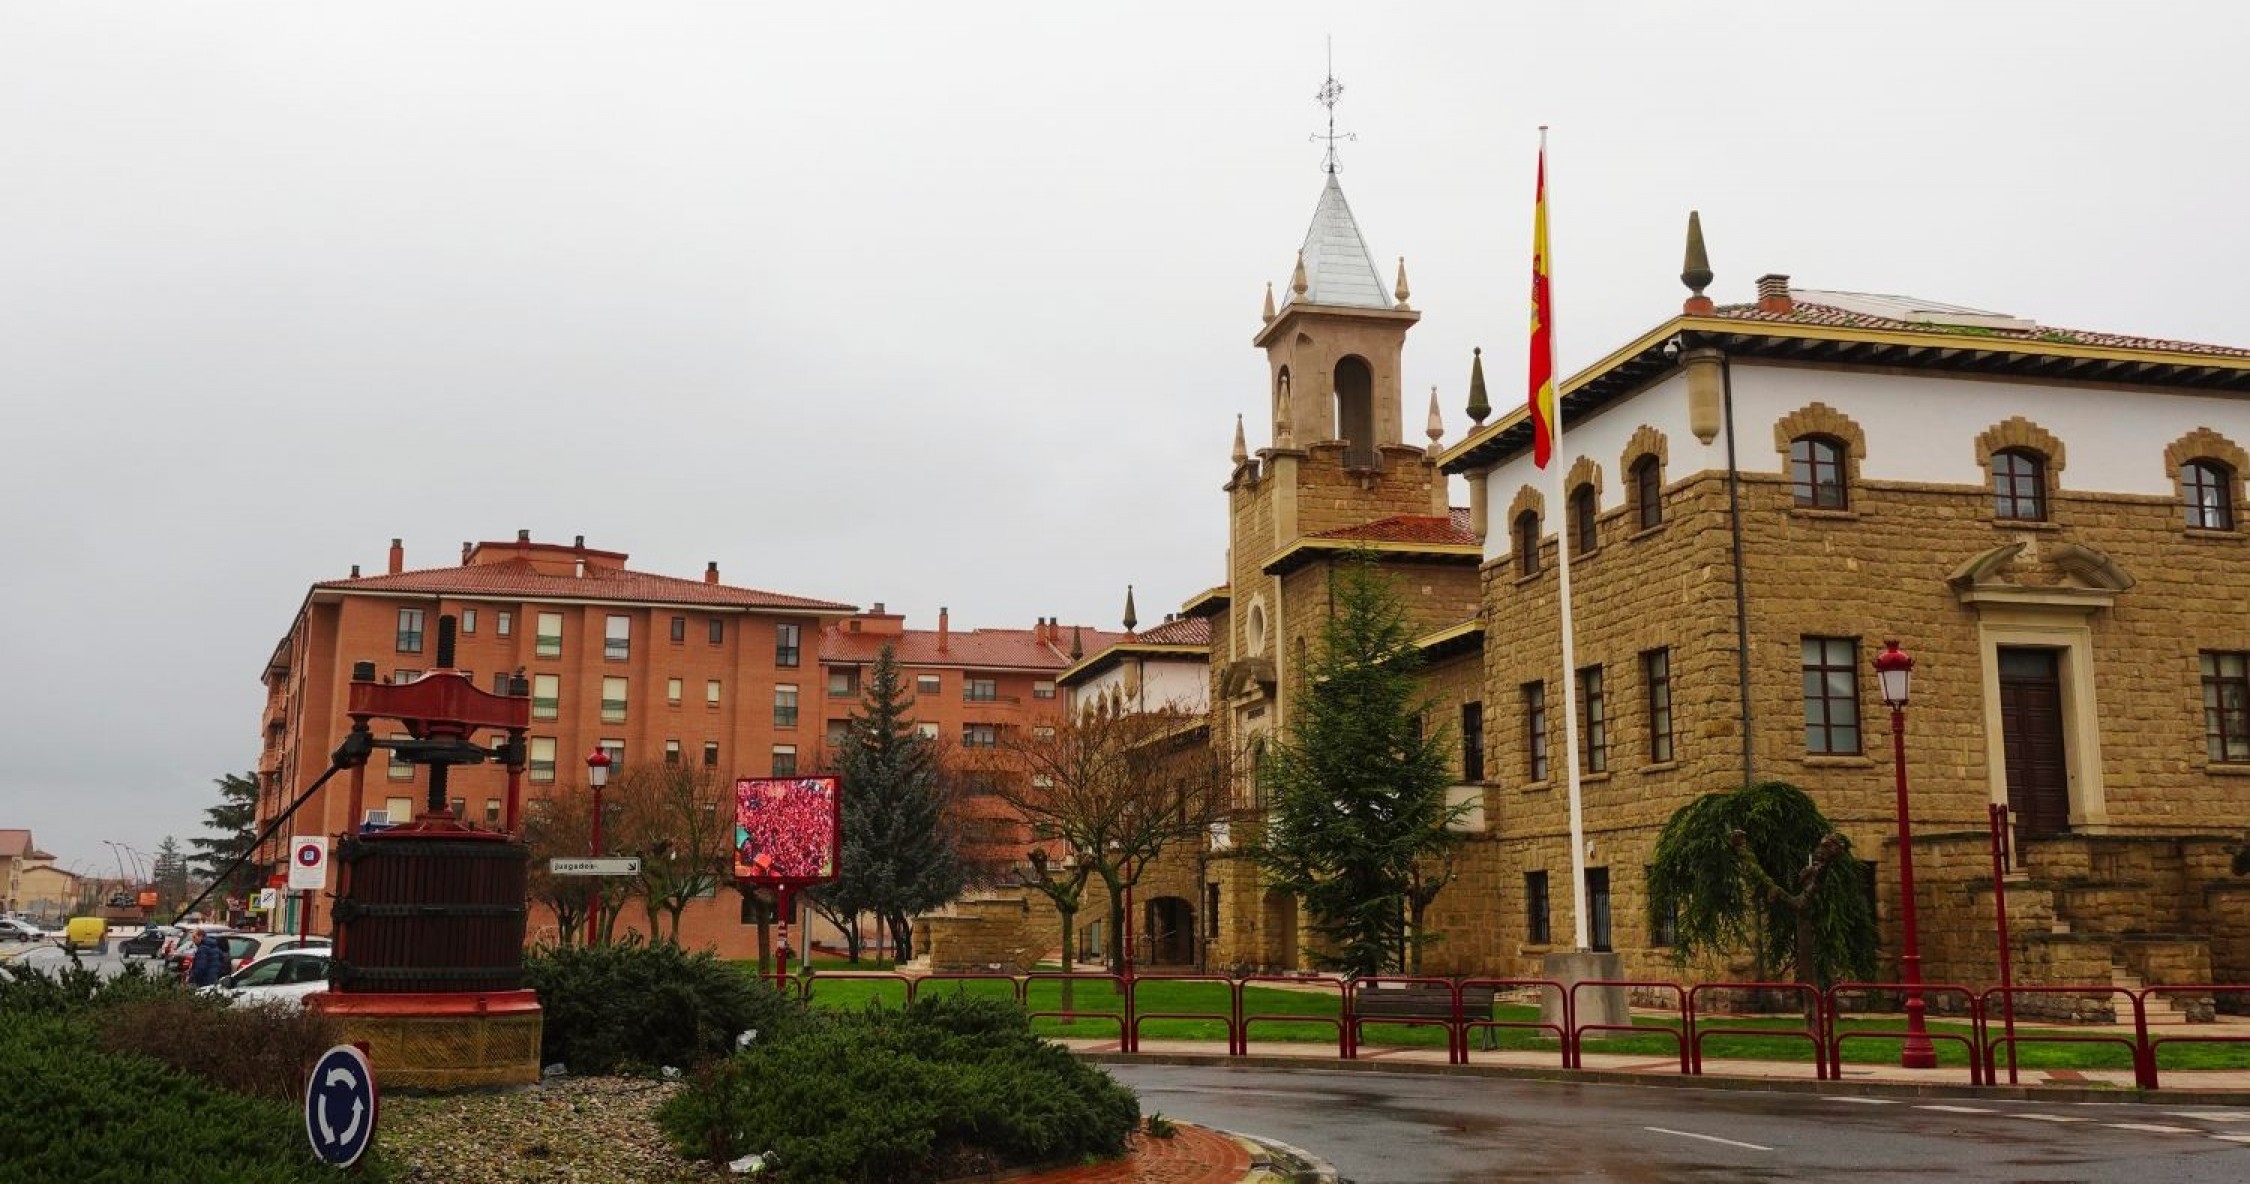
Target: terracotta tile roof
1410 528
1178 631
516 577
15 844
1010 649
1812 313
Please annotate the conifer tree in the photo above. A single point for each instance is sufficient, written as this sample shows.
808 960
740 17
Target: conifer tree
233 823
1358 820
899 856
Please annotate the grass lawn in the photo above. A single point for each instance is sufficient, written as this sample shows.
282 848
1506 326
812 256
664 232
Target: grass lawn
1099 1006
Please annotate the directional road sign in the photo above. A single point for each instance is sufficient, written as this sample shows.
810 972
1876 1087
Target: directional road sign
340 1106
595 867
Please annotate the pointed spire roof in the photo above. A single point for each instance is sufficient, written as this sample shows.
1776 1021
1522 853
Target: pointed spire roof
1131 618
1337 266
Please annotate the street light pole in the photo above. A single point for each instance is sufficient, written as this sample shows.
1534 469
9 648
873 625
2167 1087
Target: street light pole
1894 669
597 775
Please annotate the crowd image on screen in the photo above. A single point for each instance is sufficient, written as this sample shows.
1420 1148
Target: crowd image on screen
783 829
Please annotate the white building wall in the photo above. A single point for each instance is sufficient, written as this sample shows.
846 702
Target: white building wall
1183 683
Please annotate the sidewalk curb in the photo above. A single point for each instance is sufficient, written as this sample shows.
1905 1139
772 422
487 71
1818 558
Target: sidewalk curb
1275 1162
1793 1085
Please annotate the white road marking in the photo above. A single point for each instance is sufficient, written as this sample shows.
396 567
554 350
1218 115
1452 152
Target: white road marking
2232 1138
2051 1117
1871 1101
2154 1128
2214 1115
1959 1109
1706 1138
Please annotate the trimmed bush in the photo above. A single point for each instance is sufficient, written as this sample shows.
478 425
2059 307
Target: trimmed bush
76 989
947 1085
629 1006
265 1051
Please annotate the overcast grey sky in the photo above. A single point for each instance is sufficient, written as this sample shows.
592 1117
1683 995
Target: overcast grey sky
928 304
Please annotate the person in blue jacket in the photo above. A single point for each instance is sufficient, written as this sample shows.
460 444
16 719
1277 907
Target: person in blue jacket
210 964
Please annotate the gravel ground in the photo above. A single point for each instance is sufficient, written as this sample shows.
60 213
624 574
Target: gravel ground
597 1130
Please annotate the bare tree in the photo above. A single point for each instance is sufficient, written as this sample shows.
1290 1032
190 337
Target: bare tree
1113 790
678 819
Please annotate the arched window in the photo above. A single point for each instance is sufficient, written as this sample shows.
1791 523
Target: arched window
1527 543
1582 515
1355 411
1816 472
2209 489
2019 486
1648 493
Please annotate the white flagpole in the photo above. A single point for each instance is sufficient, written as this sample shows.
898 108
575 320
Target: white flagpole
1557 462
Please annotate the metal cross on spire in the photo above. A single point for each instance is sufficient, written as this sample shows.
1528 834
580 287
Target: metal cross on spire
1330 91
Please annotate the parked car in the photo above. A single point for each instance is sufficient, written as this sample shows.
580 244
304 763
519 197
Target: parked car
151 942
240 948
284 978
13 929
275 943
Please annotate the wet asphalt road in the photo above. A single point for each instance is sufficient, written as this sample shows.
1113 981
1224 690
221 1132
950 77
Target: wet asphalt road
1389 1128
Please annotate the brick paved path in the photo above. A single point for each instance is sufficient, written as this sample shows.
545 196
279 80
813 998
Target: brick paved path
1193 1156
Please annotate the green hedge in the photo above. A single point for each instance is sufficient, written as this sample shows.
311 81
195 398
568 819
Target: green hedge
947 1085
634 1007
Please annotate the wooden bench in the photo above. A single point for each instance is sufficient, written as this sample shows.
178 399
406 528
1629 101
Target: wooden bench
1421 1001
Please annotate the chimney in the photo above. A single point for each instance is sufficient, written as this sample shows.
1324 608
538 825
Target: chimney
1773 294
578 542
878 608
711 572
398 556
1039 631
465 549
944 631
355 571
523 536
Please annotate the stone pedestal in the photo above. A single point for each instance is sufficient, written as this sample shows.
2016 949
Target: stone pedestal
442 1041
1596 1005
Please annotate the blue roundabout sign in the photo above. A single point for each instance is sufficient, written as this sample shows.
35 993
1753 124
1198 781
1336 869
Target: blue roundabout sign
340 1106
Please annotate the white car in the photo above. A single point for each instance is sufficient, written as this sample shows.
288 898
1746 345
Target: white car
284 978
275 943
13 929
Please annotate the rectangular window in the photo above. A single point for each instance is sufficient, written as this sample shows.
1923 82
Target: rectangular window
710 754
1663 924
672 688
1831 668
784 760
547 641
1472 742
926 731
1597 909
616 752
843 680
785 706
1656 670
617 638
718 631
1044 733
410 631
1535 930
400 768
1211 910
546 696
980 690
500 684
401 677
928 684
785 645
468 620
398 810
980 736
492 811
1043 689
613 700
1535 730
679 628
504 623
2226 706
671 752
711 693
459 808
838 729
1593 711
543 758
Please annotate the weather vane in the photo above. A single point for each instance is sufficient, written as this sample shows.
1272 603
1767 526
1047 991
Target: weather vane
1329 92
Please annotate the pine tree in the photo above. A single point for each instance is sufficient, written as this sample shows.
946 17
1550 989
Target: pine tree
1357 829
234 825
899 856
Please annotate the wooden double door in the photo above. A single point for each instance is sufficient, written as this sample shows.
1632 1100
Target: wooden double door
2031 731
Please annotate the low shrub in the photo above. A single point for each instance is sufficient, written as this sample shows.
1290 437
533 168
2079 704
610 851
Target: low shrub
264 1051
631 1006
946 1086
77 1113
77 988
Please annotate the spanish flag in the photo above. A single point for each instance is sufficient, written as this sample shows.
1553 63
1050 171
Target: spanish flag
1543 407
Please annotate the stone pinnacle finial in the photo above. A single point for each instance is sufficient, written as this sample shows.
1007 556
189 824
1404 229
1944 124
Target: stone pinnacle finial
1131 618
1241 446
1297 281
1695 272
1436 430
1077 643
1480 404
1268 312
1402 291
1283 435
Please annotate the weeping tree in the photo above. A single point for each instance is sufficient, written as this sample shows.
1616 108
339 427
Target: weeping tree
1760 868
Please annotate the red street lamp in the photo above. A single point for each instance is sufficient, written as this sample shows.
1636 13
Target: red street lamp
597 775
1895 670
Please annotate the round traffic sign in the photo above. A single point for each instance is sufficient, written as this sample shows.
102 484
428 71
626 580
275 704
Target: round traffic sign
310 854
340 1106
